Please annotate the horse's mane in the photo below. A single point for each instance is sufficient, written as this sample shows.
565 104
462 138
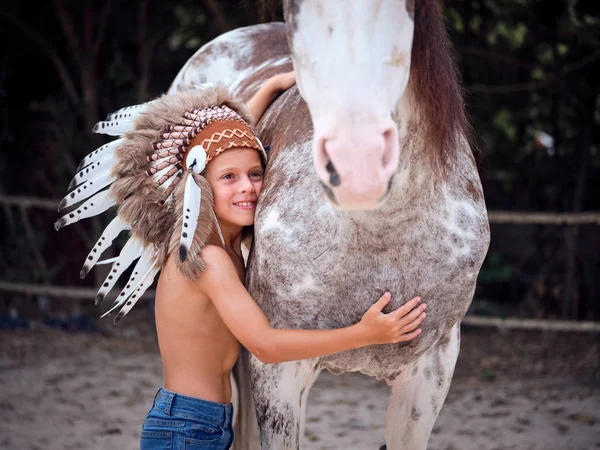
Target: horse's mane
434 82
268 9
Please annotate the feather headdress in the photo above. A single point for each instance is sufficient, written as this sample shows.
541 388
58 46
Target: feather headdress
153 174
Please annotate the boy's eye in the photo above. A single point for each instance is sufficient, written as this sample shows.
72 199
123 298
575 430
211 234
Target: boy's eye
227 176
256 174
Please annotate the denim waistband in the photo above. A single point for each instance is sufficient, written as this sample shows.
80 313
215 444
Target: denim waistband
172 403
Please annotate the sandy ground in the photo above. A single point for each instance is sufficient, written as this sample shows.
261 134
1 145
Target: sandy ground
511 390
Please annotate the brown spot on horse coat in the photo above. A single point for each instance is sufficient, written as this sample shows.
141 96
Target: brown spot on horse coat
434 405
438 368
473 190
427 373
398 57
415 414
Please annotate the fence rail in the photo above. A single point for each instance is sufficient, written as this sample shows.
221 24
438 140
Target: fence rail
30 202
56 291
515 323
538 218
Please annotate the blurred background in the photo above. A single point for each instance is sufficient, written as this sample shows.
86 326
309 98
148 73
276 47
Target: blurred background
530 70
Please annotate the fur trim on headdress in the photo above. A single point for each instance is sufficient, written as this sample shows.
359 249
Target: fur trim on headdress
150 183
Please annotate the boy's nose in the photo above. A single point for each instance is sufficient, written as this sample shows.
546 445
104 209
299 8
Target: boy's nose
246 185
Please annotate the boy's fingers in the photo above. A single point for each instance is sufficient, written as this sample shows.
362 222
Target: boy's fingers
412 315
414 324
380 304
409 336
405 309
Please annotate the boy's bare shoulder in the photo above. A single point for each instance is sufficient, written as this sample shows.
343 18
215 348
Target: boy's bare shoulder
214 253
219 267
216 261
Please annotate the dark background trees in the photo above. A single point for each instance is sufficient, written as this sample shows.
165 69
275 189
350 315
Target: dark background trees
529 67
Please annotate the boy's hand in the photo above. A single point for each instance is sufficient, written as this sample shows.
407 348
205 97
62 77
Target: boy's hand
284 81
271 88
398 326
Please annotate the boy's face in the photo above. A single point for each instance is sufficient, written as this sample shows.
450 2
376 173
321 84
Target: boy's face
236 178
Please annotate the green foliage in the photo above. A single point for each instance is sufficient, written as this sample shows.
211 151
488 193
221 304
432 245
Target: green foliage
496 269
513 34
455 20
504 121
186 36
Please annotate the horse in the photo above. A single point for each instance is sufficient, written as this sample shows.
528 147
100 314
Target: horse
371 186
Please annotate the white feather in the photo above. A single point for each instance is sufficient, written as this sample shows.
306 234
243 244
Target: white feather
94 206
129 112
132 300
101 153
87 189
106 261
132 250
104 159
102 166
117 127
114 228
121 121
141 269
192 196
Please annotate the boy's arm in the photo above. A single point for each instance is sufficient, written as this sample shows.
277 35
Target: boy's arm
251 327
271 88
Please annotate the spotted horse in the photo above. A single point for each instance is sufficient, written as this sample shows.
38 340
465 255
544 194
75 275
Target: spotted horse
371 186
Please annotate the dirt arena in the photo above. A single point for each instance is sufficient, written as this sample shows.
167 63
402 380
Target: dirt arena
511 390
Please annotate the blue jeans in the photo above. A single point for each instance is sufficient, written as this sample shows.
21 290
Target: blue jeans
178 422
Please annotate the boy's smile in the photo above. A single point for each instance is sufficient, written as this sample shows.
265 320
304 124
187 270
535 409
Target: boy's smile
246 205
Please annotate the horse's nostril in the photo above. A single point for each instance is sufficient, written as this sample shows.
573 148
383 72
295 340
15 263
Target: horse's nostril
389 186
388 137
334 177
329 193
334 180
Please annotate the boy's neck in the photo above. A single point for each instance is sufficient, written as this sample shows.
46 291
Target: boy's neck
232 236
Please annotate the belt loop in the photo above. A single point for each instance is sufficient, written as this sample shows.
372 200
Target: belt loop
169 403
229 415
156 396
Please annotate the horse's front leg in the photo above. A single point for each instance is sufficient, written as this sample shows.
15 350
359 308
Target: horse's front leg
417 396
278 392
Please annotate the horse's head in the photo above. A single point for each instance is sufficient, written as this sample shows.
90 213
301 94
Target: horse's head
352 62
